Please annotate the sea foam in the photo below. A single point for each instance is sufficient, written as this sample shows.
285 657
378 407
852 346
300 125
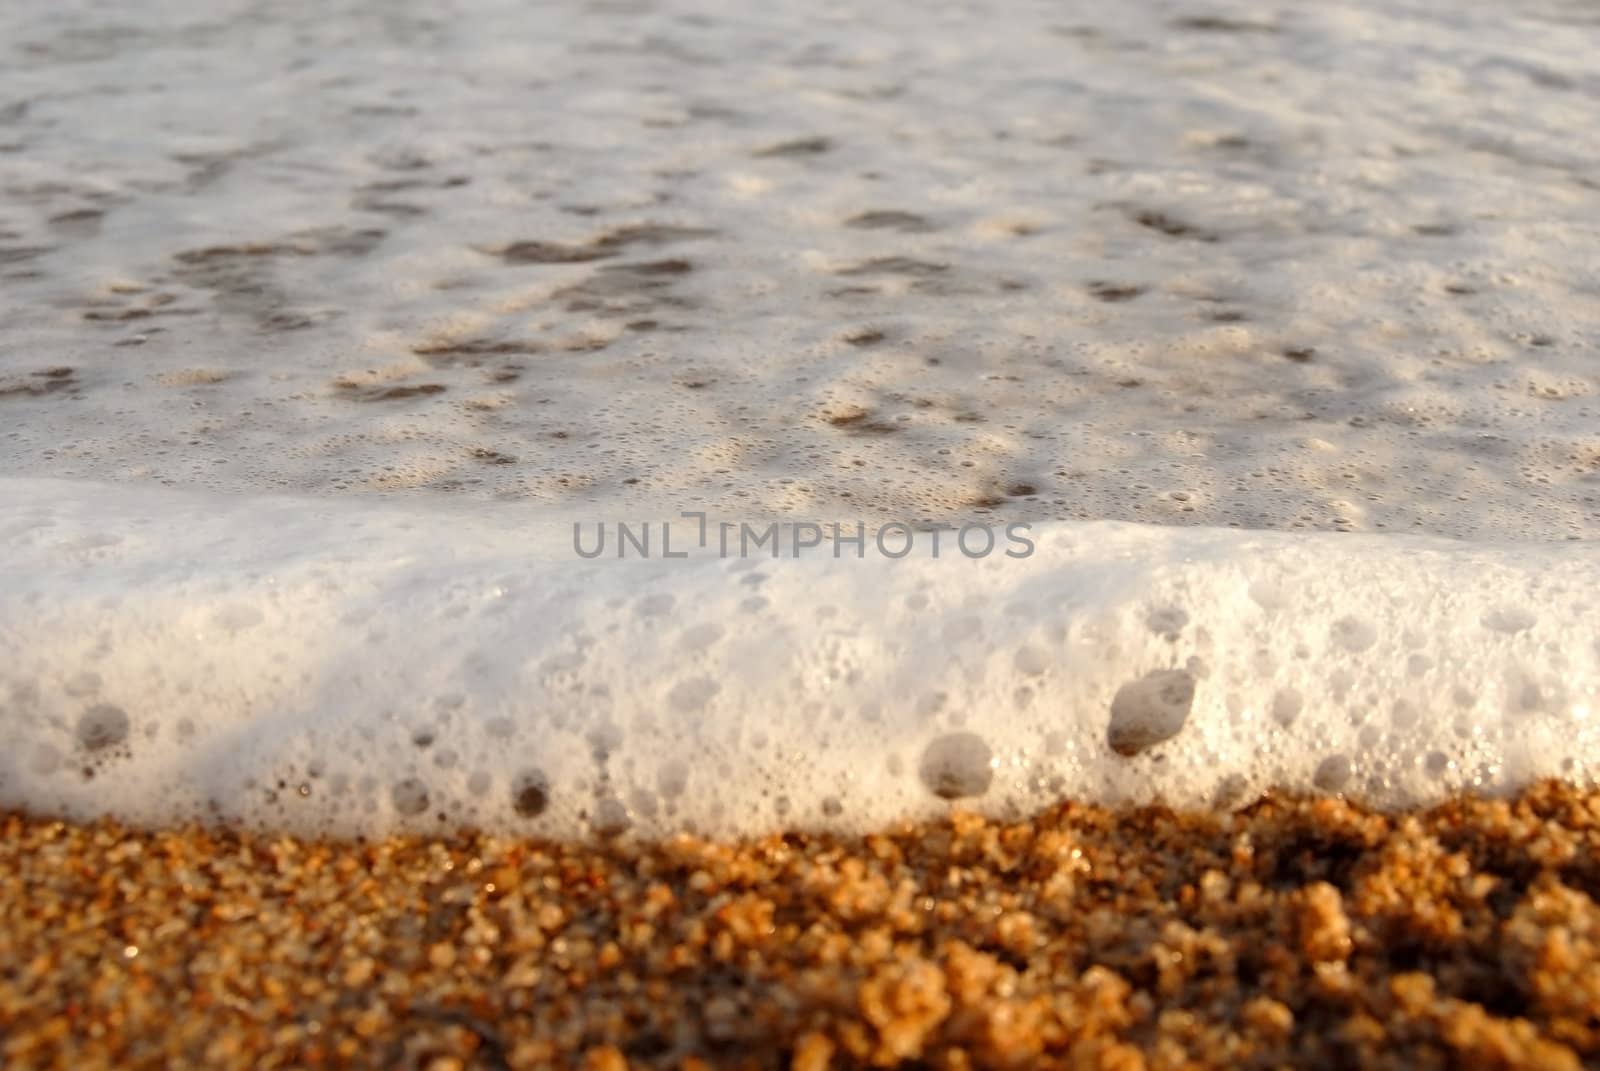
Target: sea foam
334 667
1276 322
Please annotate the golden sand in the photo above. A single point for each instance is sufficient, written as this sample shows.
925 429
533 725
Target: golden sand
1294 933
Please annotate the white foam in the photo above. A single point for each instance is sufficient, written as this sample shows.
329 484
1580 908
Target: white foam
322 666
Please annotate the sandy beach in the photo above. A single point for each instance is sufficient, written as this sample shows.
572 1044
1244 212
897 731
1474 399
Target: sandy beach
1292 933
472 482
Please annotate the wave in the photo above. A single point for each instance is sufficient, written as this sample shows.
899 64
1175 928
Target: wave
342 667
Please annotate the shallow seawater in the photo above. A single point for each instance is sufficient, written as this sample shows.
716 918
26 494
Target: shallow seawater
324 330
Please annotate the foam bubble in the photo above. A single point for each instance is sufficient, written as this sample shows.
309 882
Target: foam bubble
102 726
1150 710
957 766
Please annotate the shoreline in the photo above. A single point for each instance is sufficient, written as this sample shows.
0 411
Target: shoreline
1305 932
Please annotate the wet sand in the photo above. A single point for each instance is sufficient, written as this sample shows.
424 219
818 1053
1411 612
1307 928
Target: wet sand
1293 933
